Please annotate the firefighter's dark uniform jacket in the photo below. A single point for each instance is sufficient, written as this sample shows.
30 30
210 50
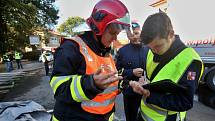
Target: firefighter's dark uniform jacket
129 57
166 106
70 61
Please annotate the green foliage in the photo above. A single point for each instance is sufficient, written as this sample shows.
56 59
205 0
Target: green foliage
69 24
20 18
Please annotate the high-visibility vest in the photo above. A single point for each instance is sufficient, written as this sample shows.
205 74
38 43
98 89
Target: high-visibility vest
173 71
103 102
17 55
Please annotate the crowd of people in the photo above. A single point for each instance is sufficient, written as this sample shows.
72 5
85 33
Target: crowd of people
156 72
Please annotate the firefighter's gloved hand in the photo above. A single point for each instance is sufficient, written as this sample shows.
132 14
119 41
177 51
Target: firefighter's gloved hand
123 84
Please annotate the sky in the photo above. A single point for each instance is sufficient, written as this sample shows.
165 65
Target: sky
139 9
191 19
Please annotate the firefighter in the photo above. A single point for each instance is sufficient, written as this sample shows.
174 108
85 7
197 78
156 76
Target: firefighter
84 78
168 60
45 62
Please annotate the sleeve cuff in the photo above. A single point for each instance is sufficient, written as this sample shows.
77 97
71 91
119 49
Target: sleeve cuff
90 88
128 73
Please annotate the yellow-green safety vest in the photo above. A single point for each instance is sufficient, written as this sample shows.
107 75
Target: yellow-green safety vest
17 55
172 71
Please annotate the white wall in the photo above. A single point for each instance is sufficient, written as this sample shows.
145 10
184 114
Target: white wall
193 19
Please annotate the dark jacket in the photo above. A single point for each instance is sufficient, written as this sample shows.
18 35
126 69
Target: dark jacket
129 57
180 101
69 61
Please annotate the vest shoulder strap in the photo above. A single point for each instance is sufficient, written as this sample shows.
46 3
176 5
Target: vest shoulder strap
163 63
83 46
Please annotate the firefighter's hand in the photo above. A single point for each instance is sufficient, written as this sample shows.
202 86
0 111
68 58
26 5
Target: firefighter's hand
138 72
137 87
103 80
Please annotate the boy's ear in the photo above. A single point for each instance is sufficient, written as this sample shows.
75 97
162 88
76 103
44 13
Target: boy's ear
171 34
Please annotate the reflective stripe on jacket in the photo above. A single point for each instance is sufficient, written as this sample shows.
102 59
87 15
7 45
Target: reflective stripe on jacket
173 71
75 87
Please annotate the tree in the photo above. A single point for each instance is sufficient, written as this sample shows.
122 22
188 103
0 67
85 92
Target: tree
69 24
20 18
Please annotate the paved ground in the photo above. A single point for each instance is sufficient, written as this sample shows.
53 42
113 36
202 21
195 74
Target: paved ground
35 86
24 62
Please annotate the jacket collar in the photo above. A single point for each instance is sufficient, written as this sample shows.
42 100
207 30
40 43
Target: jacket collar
89 38
176 47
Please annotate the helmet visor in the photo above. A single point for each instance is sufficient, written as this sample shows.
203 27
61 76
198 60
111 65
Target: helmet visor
121 27
81 28
125 20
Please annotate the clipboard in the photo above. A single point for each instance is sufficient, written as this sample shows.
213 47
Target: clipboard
165 86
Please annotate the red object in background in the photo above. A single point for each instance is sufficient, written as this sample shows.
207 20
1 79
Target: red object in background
53 49
61 40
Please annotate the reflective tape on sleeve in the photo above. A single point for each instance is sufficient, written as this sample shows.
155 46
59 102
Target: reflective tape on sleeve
76 90
57 81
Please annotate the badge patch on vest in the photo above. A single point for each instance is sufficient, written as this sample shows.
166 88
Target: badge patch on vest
191 75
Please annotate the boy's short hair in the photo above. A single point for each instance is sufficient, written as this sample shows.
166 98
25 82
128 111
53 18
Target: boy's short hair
156 25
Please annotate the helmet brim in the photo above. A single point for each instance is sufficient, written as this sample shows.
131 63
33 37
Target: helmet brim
82 28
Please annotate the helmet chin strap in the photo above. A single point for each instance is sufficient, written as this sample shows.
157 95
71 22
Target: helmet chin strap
99 38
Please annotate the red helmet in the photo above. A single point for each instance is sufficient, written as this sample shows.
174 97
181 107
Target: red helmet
106 12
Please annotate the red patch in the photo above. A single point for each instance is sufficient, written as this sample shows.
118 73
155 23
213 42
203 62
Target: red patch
191 75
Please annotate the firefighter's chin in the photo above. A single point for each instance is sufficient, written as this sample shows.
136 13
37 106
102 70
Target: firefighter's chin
136 42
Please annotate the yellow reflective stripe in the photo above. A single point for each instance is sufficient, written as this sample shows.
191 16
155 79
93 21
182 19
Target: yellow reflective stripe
149 114
76 90
145 117
202 70
182 115
155 108
72 89
57 81
81 92
54 119
111 117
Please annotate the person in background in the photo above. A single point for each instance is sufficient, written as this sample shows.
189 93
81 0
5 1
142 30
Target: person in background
130 63
84 78
18 57
168 60
6 60
45 62
11 57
